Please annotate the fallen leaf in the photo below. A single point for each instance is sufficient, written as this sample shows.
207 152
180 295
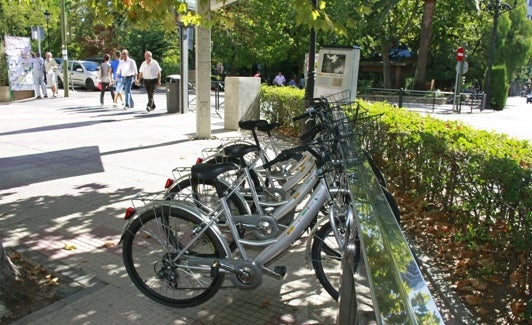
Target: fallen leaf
69 247
473 299
109 244
479 284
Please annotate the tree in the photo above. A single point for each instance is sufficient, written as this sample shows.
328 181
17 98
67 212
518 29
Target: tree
8 273
429 7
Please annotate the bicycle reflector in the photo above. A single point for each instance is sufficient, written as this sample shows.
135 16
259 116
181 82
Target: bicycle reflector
168 183
199 160
129 213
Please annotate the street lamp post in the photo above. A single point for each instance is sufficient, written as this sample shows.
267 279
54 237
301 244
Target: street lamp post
47 17
64 52
495 8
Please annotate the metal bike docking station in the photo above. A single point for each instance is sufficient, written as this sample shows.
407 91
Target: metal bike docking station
337 70
394 280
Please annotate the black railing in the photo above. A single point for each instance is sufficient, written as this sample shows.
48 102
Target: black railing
426 99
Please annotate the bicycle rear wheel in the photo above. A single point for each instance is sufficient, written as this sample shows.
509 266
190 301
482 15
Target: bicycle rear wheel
151 246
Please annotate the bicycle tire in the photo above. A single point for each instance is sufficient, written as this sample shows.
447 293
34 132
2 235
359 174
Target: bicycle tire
149 263
204 195
221 159
326 257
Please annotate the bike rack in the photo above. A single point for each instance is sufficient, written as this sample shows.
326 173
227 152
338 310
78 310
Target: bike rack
399 293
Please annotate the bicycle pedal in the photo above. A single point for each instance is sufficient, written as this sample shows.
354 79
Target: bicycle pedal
280 269
215 268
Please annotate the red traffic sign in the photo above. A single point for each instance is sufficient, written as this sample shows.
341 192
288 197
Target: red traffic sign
460 54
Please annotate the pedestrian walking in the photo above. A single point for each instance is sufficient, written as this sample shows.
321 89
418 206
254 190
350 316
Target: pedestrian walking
51 73
114 64
150 73
128 70
106 77
38 75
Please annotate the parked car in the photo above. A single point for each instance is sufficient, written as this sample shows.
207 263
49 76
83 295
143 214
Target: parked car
97 60
81 74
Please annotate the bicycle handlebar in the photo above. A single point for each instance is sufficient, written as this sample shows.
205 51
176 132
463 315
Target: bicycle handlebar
308 113
285 155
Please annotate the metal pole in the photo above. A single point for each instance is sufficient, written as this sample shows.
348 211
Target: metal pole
47 34
492 52
309 83
183 42
495 8
64 47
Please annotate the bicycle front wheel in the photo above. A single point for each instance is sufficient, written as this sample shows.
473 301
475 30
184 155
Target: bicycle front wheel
156 263
327 256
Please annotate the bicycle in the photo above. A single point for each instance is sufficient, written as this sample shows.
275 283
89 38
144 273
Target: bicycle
190 252
219 224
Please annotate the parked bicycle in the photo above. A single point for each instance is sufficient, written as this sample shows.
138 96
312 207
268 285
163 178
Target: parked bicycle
177 250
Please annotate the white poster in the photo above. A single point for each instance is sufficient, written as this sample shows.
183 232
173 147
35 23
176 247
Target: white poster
18 52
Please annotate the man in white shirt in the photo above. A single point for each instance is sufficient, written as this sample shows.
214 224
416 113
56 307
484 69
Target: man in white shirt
150 71
127 68
38 75
279 79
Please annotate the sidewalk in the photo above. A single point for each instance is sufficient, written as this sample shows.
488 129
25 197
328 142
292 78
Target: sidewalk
69 168
514 120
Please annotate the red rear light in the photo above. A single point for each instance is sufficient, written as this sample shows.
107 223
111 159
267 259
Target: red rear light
199 160
129 213
168 183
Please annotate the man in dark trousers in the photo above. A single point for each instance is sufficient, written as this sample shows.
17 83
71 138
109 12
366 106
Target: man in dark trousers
150 72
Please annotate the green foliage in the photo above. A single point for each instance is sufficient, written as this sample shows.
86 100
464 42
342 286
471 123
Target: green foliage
156 40
481 180
499 88
4 78
281 104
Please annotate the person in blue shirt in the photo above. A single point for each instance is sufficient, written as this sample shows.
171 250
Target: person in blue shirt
114 64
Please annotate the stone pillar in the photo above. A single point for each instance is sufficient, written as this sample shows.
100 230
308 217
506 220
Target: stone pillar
241 100
203 75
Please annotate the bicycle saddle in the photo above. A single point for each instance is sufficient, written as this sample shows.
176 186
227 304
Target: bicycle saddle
240 150
268 127
251 125
211 171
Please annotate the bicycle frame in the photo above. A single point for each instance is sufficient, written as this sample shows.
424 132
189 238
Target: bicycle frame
273 248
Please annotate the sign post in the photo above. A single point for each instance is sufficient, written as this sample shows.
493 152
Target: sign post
460 55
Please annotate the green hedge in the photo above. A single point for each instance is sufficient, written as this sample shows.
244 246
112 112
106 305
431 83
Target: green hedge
480 180
281 104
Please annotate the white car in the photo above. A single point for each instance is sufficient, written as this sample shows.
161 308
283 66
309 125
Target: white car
81 74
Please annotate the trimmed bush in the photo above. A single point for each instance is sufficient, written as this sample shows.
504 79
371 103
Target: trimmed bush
499 88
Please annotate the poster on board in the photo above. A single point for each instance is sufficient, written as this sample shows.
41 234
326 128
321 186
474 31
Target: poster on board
337 71
18 52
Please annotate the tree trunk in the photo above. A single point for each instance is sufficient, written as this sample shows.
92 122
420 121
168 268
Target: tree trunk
8 271
386 66
429 8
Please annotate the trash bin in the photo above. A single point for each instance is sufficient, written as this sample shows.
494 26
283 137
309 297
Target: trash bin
173 83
